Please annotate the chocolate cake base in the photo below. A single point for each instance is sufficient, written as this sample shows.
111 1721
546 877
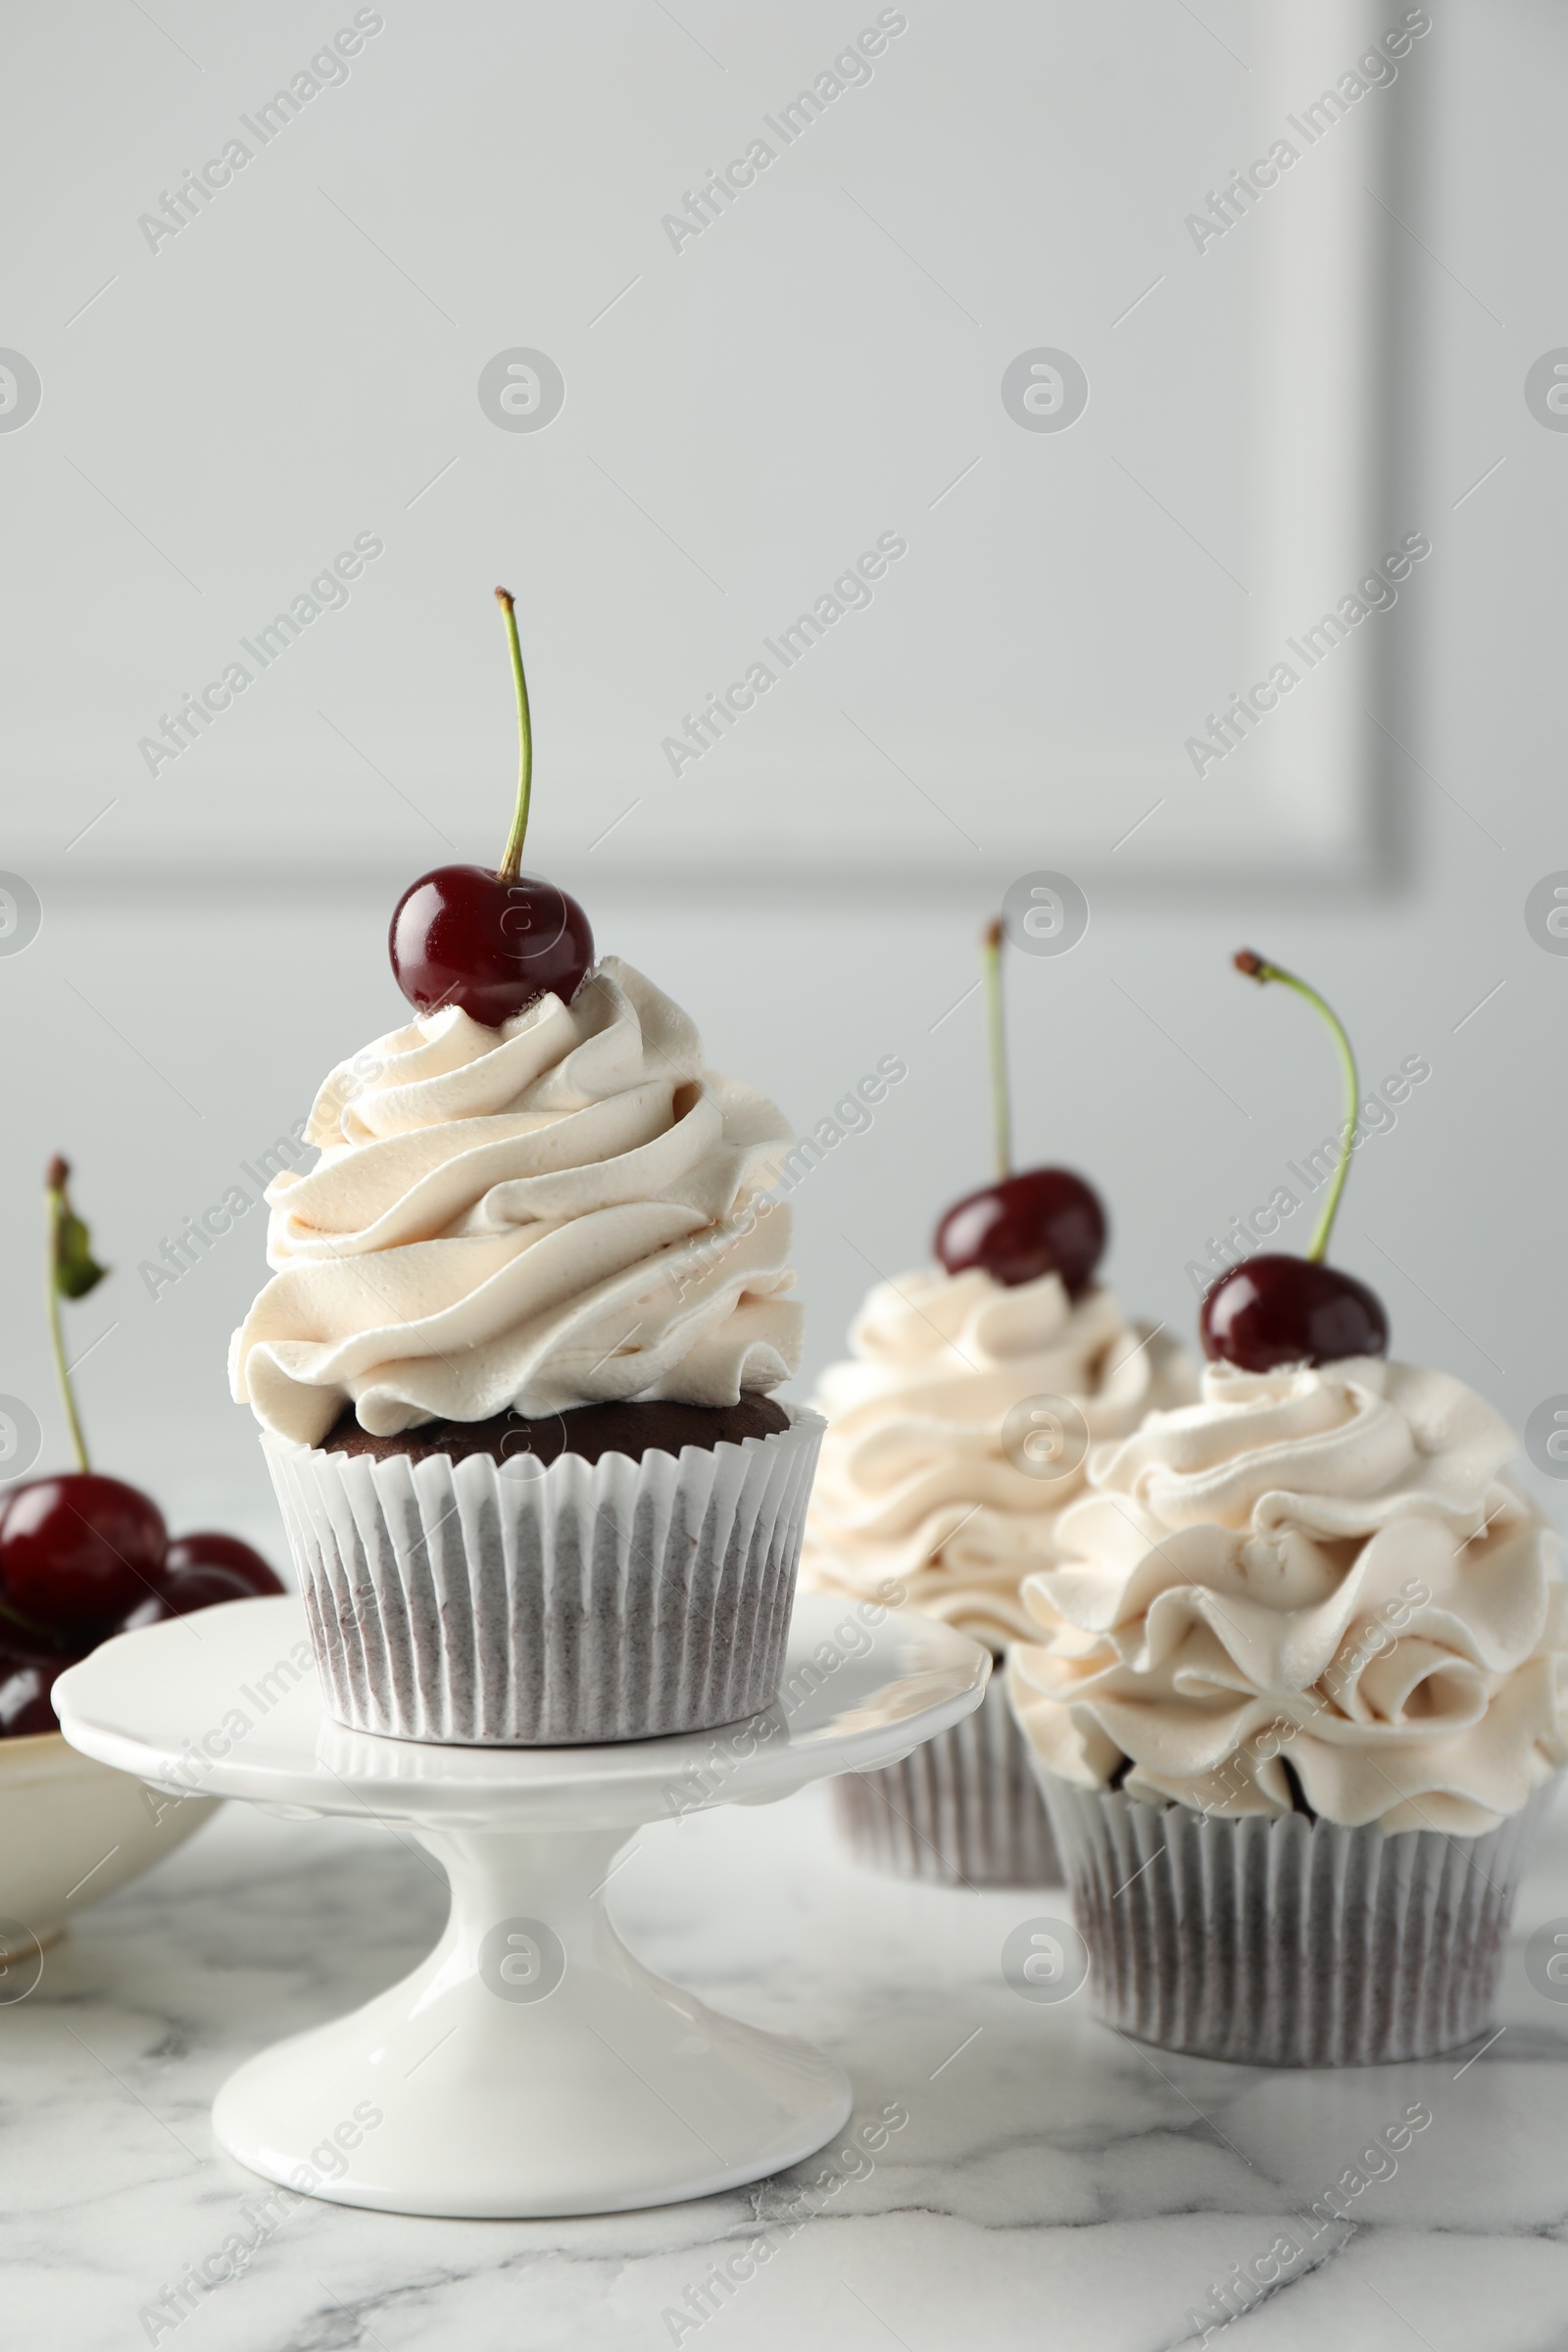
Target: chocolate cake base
962 1811
527 1604
1279 1940
586 1430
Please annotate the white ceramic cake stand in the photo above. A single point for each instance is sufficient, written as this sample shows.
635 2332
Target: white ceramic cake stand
530 2066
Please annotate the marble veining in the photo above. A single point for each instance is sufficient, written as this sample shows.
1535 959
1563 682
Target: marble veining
1014 2174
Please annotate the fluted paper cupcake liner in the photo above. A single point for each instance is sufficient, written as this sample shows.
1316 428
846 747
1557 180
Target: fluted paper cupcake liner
1279 1940
962 1811
616 1600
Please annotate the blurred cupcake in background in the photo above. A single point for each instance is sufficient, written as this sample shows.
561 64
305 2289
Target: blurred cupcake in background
957 1435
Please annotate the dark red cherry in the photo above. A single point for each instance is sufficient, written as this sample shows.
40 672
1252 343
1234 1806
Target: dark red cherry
26 1704
77 1550
461 936
1274 1310
180 1591
1042 1221
210 1550
29 1663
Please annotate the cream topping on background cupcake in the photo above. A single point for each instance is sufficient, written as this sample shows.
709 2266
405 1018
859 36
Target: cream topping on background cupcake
564 1211
915 1494
1325 1566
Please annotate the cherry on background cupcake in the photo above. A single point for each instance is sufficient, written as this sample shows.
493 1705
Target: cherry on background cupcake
1030 1222
84 1555
1276 1308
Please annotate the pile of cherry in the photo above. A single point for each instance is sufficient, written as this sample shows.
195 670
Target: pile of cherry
82 1557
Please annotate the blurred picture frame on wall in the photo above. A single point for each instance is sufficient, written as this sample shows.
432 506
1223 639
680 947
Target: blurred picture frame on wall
909 551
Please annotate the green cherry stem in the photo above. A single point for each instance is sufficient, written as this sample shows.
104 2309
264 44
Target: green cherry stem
56 1180
1257 968
512 861
997 1031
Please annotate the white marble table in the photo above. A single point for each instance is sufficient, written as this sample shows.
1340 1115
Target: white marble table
1053 2187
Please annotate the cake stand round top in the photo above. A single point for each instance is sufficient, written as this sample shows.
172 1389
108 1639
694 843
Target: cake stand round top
226 1704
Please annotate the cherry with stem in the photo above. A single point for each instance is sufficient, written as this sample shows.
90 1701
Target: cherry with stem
1035 1222
77 1550
83 1556
1275 1309
492 942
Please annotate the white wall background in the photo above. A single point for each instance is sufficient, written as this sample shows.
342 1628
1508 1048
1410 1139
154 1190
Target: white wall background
159 1031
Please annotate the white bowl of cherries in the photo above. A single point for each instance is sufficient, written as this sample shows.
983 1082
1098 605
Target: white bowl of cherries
83 1557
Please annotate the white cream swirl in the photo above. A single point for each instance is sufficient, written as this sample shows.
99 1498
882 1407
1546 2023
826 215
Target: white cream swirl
565 1210
1320 1567
921 1498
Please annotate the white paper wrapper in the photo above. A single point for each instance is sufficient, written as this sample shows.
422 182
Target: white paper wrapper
616 1600
962 1811
1276 1941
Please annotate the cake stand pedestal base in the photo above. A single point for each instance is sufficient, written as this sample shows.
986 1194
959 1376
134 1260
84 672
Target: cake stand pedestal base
531 2066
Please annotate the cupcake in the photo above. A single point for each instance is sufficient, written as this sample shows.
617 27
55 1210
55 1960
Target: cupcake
956 1436
1296 1688
513 1368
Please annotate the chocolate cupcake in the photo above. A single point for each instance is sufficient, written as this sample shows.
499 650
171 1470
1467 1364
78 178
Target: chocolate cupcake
1298 1697
511 1372
1299 1687
956 1437
932 1496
